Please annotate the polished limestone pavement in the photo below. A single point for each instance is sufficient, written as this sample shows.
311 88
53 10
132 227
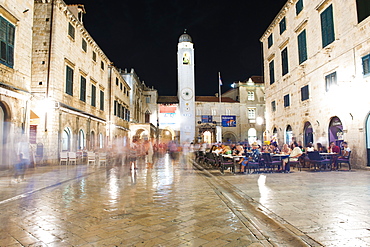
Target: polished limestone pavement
180 203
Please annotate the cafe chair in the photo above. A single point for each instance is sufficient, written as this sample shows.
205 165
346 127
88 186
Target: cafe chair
225 164
210 159
255 166
344 160
270 164
72 158
91 158
318 161
103 159
63 158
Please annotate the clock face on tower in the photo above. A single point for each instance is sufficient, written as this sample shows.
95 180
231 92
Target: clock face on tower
187 94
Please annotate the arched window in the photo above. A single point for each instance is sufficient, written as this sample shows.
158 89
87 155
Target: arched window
66 140
252 135
336 131
101 141
81 140
308 133
288 135
92 140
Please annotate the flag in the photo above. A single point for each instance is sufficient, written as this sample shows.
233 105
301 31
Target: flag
219 78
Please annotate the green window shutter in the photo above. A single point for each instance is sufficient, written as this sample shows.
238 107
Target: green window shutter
272 72
102 100
284 61
327 26
93 95
299 7
69 80
366 65
302 47
83 89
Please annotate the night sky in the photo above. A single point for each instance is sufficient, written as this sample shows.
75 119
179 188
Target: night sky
143 34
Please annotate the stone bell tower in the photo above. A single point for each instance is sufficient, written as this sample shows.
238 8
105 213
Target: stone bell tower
186 87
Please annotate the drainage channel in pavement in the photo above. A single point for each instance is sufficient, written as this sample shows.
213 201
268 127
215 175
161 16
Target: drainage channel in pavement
267 227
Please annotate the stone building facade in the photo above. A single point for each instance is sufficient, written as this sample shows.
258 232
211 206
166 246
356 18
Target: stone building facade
316 69
15 75
80 100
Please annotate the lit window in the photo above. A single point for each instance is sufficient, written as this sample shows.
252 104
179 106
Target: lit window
250 95
366 65
330 80
251 113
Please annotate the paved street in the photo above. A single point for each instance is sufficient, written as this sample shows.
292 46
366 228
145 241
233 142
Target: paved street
178 204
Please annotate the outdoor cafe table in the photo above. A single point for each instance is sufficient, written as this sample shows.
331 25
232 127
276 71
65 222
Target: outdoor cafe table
330 156
235 158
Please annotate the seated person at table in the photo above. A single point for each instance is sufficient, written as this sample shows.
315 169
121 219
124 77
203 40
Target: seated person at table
334 149
321 148
309 147
274 148
239 151
345 151
286 149
294 155
226 150
217 150
253 157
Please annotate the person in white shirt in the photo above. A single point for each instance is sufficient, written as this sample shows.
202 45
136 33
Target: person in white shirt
294 155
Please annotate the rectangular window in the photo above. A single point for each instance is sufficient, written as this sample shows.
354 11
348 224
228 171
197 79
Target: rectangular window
270 41
366 65
284 61
251 113
84 45
147 98
83 89
363 9
101 100
272 72
282 25
120 86
117 82
93 95
7 32
305 93
273 106
250 95
71 30
124 90
287 100
94 56
102 65
298 7
302 47
330 80
327 26
115 108
69 80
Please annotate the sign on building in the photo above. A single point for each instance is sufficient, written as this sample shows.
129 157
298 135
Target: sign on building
228 121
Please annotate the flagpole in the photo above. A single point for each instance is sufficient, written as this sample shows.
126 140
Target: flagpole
219 87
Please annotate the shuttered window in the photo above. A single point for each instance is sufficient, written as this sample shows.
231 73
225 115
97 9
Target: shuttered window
305 93
298 7
287 100
7 31
83 89
302 47
284 61
93 95
282 25
270 41
272 72
69 80
71 30
101 100
363 9
327 26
